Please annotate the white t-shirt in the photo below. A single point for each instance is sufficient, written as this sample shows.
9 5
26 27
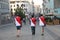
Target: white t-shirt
17 23
32 24
40 22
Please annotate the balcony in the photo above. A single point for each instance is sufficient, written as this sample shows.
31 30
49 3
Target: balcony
12 2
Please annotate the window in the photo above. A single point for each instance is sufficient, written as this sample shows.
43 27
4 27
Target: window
0 5
17 5
49 10
12 2
14 9
25 9
22 5
0 0
4 1
18 1
56 11
49 0
3 5
56 4
11 9
11 5
14 5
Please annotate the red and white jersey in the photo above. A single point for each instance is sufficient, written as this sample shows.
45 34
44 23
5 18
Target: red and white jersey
18 21
33 21
41 21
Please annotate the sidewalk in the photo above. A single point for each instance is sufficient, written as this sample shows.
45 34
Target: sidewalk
6 25
10 34
55 29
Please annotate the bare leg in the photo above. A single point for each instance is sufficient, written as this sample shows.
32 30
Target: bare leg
18 32
42 31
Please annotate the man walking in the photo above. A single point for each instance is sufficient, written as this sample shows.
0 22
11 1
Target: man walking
42 23
18 23
24 21
33 24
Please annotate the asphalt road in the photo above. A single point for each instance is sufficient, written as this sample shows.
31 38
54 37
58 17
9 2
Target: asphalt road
8 32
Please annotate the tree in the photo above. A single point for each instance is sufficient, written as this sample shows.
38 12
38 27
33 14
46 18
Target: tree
20 11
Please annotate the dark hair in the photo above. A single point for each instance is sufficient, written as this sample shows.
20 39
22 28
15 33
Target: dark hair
40 15
32 15
16 14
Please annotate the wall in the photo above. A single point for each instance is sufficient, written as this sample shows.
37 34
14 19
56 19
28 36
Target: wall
4 10
57 6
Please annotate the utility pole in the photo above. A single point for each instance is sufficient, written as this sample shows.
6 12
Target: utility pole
33 6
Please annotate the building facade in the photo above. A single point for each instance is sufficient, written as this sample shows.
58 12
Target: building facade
4 11
51 6
48 6
27 7
37 9
57 6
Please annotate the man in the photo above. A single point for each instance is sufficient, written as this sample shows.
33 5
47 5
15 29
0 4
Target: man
42 23
24 20
18 23
33 24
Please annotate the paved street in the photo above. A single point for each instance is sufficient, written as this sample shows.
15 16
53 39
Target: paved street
8 32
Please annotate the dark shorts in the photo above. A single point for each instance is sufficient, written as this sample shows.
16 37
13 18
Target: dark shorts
18 27
32 28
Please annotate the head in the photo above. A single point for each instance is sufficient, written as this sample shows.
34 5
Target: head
16 14
40 15
32 15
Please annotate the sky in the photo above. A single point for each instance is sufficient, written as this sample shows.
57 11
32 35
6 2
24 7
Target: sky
38 2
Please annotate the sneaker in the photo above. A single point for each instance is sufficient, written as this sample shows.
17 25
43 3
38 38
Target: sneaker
18 36
33 34
42 34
